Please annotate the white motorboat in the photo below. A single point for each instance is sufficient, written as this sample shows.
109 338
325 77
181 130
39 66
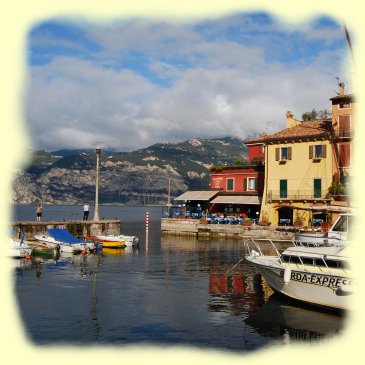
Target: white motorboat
64 241
128 240
19 248
315 275
337 235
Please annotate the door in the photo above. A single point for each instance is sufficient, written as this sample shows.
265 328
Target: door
317 188
283 188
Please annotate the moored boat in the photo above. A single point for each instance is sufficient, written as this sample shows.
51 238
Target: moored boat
63 240
19 248
315 275
337 235
41 249
109 238
113 244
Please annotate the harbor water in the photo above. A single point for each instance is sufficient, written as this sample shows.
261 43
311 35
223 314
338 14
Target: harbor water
170 291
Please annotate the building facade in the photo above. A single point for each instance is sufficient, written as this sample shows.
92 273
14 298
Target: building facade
298 171
240 188
343 120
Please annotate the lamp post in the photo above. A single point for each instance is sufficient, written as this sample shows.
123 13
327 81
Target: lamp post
96 211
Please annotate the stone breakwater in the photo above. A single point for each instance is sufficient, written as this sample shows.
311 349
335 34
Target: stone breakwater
77 228
191 227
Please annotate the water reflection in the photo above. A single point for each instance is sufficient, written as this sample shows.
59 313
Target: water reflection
236 287
289 321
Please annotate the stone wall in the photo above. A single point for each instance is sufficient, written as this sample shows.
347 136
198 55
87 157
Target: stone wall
195 228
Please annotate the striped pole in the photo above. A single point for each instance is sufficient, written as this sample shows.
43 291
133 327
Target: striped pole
147 223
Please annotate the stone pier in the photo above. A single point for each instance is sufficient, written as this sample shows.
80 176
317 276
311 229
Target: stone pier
193 227
77 228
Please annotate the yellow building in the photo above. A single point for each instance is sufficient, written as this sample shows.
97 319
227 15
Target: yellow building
298 171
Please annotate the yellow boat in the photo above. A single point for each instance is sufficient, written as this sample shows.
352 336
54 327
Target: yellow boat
113 244
107 243
114 251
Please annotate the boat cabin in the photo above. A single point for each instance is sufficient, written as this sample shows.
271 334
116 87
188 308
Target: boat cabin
320 258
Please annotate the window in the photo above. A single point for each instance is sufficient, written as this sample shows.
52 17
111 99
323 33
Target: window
344 126
283 153
283 188
344 105
317 151
307 261
250 184
230 184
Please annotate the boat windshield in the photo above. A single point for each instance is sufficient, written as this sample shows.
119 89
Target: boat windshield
342 224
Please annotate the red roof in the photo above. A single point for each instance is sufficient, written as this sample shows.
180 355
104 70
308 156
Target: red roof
315 129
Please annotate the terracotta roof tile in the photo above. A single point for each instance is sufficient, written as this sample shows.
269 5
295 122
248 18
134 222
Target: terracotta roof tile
318 128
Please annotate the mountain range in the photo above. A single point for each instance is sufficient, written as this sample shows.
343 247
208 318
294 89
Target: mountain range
131 178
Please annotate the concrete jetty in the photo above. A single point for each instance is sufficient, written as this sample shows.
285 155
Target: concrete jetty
193 227
77 228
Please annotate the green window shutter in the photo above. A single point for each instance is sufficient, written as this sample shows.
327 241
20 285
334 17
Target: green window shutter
311 152
324 151
277 154
245 184
283 188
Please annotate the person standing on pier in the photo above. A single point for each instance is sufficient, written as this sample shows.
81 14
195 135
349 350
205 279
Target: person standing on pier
39 211
86 212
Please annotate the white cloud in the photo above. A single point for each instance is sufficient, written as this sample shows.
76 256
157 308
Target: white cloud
216 87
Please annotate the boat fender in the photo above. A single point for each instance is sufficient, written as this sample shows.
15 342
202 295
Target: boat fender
287 274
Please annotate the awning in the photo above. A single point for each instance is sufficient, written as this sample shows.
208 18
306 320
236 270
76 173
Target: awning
322 208
197 195
237 199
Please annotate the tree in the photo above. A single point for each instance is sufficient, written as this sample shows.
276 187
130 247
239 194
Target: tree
238 160
314 114
308 116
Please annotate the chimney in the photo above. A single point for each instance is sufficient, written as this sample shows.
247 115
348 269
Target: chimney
342 89
290 121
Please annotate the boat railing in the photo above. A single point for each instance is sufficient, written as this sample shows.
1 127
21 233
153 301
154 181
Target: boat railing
253 244
257 241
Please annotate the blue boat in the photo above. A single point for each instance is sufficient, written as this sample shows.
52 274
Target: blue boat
61 239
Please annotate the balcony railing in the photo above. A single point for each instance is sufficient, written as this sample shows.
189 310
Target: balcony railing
297 195
343 133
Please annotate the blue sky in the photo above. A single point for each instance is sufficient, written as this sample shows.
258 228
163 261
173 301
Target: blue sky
129 83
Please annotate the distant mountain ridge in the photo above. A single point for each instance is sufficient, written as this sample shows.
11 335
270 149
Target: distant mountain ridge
132 178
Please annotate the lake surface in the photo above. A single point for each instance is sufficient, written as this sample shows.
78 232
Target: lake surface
170 291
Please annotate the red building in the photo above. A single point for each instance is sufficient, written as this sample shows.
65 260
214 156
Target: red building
241 187
234 190
247 180
256 153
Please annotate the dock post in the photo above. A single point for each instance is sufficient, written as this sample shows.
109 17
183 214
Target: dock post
96 212
147 224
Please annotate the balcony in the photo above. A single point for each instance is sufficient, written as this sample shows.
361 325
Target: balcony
343 133
291 195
